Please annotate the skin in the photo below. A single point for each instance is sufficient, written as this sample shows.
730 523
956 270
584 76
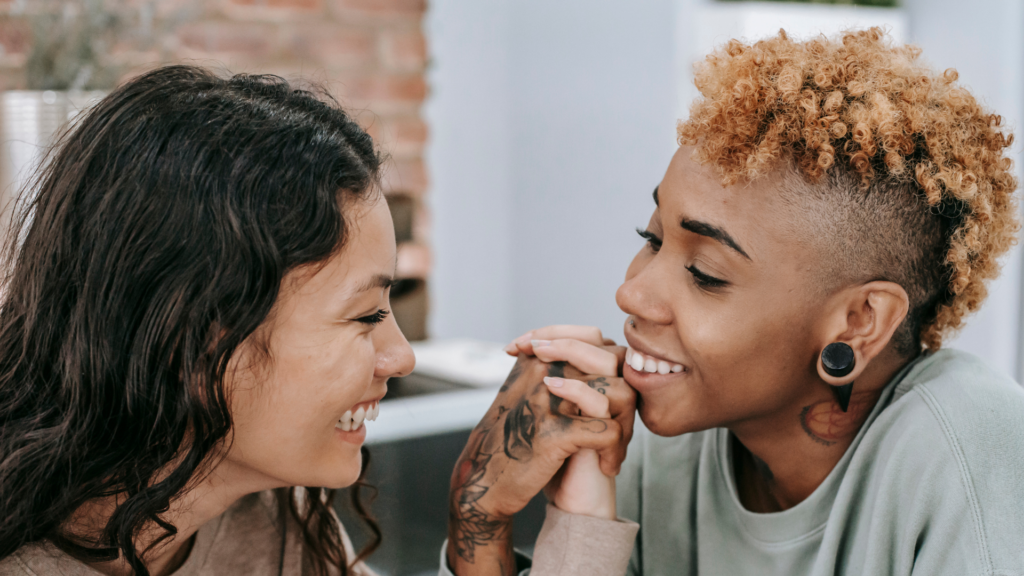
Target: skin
544 414
751 346
728 288
323 361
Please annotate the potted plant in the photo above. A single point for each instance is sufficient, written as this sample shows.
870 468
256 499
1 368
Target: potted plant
67 69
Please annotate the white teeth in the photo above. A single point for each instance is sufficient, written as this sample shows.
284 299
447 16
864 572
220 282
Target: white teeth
350 421
637 362
641 363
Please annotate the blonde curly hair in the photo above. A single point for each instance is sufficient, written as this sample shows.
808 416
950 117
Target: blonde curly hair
864 113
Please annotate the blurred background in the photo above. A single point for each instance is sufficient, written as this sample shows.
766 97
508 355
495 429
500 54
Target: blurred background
524 139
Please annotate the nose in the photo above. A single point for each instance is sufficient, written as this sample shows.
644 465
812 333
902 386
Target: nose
394 355
643 293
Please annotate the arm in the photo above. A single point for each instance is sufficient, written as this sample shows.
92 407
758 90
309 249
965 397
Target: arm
521 443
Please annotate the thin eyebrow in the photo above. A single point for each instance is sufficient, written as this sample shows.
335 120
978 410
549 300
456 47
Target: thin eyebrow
377 281
713 232
656 203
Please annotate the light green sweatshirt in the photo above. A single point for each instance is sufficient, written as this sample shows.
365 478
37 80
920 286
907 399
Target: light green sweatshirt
932 485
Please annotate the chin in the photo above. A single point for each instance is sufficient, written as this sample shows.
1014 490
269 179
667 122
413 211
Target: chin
662 422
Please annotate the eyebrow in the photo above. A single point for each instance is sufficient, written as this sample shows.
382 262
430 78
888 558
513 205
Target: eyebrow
656 203
377 281
713 232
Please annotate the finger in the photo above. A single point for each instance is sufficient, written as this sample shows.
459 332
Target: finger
584 356
621 404
590 401
609 342
589 334
603 436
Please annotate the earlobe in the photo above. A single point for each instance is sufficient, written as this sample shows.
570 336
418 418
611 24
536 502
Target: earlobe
871 318
835 364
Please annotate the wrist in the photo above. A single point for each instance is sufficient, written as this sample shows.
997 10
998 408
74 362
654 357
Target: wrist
480 546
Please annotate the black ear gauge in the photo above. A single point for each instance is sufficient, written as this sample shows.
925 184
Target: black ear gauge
838 360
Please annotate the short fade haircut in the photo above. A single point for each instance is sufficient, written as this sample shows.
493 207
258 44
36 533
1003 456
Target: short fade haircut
899 171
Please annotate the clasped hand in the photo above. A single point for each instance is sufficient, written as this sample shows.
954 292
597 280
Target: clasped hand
561 423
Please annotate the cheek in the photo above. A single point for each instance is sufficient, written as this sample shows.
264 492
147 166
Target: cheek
284 425
745 358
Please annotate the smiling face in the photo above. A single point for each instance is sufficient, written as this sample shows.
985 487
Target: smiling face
332 346
725 293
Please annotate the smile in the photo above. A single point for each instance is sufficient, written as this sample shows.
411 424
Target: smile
353 420
644 363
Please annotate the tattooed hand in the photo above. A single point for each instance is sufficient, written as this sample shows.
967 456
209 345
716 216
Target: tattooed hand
517 448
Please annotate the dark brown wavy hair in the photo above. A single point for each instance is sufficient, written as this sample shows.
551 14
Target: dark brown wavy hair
154 244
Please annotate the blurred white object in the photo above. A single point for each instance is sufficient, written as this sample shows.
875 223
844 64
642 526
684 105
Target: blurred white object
418 416
463 361
29 120
719 22
475 369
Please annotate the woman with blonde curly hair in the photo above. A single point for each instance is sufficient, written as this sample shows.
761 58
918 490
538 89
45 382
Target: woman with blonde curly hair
834 212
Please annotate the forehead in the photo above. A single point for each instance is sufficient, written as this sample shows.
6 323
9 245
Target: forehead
753 213
369 250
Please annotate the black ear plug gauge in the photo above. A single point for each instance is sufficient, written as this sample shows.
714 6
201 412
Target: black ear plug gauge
838 360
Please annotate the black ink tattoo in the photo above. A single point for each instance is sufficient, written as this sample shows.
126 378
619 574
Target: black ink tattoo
599 384
470 524
807 428
520 427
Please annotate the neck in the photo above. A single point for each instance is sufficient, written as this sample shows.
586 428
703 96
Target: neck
207 500
780 460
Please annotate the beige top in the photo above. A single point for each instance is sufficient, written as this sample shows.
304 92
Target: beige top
244 540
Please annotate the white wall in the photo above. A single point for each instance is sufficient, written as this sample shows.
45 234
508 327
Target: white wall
536 194
552 121
470 163
984 41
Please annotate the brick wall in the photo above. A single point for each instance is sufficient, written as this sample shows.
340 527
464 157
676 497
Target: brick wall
371 54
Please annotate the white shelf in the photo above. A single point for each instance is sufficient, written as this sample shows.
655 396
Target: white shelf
429 414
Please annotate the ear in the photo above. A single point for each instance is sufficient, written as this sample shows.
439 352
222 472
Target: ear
865 317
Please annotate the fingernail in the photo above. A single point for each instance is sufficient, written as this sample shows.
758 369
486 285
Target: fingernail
511 348
524 338
553 381
540 343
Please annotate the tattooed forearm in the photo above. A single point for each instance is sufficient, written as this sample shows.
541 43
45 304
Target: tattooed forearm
470 525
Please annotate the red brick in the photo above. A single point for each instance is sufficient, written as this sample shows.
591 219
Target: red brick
404 49
15 36
402 137
404 88
405 176
271 10
224 38
379 8
285 4
331 45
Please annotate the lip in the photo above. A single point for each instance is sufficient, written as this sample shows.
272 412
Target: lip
356 437
643 381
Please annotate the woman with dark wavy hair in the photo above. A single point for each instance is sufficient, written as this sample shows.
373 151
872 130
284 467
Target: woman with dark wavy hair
195 327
